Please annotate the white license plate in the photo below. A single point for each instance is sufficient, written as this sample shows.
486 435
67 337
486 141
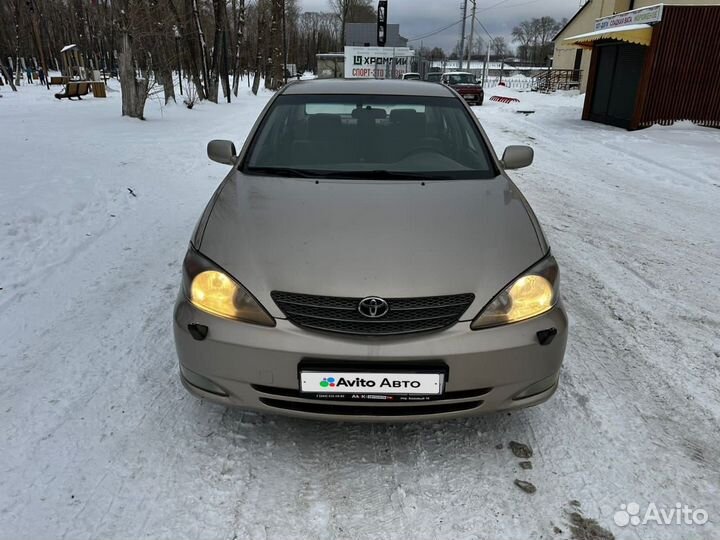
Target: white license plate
340 382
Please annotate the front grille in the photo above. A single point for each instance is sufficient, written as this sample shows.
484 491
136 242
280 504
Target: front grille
294 393
371 410
341 315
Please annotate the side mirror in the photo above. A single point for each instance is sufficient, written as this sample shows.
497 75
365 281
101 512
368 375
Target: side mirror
517 157
222 151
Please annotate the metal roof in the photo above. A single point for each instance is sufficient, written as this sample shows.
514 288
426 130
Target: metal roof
640 34
391 87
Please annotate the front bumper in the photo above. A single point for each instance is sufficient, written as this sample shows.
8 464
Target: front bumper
256 367
476 99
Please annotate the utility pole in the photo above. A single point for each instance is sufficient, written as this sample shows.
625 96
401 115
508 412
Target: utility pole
487 65
472 31
462 35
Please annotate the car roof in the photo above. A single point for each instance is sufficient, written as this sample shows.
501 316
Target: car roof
392 87
457 73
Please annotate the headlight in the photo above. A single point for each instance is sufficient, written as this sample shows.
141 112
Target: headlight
214 291
530 295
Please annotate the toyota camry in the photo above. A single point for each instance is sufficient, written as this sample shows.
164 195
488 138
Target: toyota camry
367 258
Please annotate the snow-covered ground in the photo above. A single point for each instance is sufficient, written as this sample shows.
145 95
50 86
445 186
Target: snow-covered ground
99 439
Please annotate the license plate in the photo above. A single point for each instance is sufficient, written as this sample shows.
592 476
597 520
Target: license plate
339 382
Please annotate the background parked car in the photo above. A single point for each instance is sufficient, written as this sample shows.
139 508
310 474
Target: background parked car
433 76
466 85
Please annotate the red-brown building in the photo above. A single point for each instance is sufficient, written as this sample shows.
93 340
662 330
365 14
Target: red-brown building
654 65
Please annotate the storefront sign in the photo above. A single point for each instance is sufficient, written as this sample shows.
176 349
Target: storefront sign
646 15
377 62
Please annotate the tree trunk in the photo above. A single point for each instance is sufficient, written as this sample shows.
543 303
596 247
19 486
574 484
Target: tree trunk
168 86
7 77
277 51
190 45
134 92
212 84
239 37
17 42
259 59
208 93
224 64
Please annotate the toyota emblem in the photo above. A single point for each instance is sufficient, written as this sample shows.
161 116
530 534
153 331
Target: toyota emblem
373 307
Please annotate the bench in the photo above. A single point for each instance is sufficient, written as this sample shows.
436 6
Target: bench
98 89
59 79
74 89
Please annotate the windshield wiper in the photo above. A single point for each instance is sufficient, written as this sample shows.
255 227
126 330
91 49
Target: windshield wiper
383 174
378 174
282 171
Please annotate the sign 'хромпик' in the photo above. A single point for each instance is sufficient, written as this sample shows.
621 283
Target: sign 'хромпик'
377 62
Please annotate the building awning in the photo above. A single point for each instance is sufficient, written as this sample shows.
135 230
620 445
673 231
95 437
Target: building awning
631 33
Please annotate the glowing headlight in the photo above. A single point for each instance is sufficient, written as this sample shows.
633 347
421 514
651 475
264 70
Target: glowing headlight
215 292
530 295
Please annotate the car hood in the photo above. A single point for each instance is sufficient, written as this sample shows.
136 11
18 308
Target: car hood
360 238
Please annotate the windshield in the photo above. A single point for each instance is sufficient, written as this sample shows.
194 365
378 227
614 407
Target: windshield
369 136
463 78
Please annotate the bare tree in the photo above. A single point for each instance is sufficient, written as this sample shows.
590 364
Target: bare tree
239 16
259 57
278 63
524 34
202 44
134 88
534 38
351 11
205 41
499 46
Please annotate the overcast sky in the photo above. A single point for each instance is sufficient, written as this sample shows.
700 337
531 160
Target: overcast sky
419 17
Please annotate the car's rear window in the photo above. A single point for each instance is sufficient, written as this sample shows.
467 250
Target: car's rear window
367 136
461 78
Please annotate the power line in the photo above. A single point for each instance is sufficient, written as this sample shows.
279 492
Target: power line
439 30
494 5
513 5
485 29
434 32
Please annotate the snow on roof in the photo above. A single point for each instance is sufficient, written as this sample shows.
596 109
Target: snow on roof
68 47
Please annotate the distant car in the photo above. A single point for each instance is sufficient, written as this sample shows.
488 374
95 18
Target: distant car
368 258
412 76
466 85
433 76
